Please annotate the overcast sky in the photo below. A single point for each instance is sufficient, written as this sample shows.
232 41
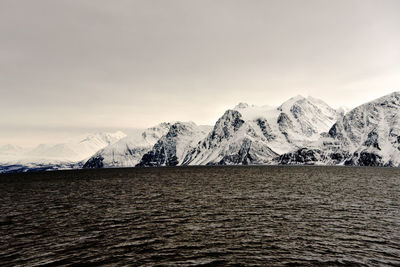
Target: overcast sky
77 66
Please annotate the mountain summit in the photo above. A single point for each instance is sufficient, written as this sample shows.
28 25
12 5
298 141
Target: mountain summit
368 135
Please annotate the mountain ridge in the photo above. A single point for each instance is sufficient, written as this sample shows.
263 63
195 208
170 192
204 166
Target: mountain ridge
302 130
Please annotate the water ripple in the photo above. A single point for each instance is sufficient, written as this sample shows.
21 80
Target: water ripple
202 216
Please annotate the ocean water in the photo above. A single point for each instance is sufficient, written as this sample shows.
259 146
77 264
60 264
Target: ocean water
202 216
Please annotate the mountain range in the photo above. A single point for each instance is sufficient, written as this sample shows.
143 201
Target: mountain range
302 130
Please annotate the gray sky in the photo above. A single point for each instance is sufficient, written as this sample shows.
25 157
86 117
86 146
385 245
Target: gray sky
77 66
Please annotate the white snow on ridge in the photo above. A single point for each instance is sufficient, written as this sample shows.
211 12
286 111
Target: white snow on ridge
9 153
253 112
171 148
128 151
72 151
251 134
368 135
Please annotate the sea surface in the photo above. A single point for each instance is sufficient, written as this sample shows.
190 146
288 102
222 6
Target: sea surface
202 216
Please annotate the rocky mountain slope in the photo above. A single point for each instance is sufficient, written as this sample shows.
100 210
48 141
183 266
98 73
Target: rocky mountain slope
171 148
128 151
368 135
257 135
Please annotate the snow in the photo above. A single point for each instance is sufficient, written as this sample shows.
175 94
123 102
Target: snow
372 129
255 112
171 149
71 151
261 133
128 151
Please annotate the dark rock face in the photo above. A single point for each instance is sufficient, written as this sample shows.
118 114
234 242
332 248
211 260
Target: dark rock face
337 157
160 155
372 139
230 121
301 156
345 126
365 158
94 163
394 136
336 131
333 131
242 157
369 159
284 123
266 129
297 111
311 156
224 128
163 152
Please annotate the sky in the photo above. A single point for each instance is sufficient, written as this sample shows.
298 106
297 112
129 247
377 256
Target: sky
76 66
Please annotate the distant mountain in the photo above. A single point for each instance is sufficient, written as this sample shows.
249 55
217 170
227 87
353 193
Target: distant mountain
58 156
368 135
256 135
172 147
128 151
10 152
75 150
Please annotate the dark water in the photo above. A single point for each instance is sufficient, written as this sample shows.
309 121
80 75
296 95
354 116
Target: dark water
268 216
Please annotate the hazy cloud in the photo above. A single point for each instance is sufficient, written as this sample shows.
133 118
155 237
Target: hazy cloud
100 64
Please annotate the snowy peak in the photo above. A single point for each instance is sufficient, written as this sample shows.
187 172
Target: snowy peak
151 135
309 116
233 140
9 149
296 105
252 134
387 99
290 102
368 135
76 150
371 132
229 123
128 151
103 138
171 148
63 152
241 105
10 153
382 113
342 110
71 151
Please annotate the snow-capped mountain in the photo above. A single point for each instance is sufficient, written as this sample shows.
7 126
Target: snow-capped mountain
256 135
58 156
368 135
11 152
128 151
75 150
171 148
